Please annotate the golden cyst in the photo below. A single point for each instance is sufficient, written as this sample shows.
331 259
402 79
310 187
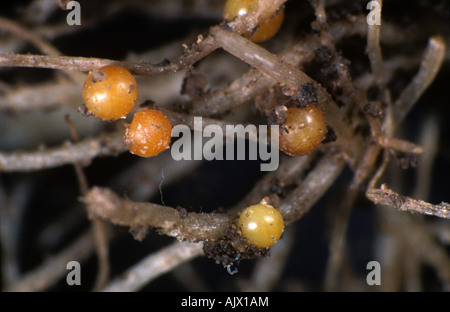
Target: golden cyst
266 29
303 130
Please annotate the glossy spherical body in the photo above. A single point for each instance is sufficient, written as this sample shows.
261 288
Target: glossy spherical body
149 133
261 224
266 30
303 130
110 92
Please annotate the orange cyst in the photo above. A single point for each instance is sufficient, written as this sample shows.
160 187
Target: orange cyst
149 133
110 92
266 29
303 130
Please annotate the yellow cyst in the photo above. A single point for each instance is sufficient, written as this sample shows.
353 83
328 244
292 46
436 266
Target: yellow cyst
261 224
